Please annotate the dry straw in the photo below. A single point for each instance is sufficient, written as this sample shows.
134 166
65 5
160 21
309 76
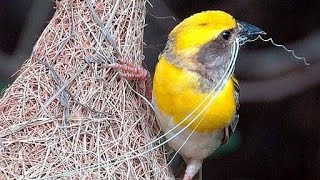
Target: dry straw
69 116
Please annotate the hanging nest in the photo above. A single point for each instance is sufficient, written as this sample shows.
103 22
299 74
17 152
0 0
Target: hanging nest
68 115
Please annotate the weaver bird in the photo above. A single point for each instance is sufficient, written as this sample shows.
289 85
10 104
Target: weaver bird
195 93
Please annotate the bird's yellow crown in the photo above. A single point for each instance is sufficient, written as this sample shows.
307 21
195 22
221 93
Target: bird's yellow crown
199 29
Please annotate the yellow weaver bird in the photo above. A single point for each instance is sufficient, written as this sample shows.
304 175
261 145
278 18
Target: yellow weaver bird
195 94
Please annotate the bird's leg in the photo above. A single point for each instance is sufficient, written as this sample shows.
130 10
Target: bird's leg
133 72
187 176
193 166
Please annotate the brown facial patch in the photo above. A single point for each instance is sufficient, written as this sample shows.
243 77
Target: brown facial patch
213 50
215 58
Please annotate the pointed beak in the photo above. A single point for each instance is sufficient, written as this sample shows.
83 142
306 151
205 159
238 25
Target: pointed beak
248 32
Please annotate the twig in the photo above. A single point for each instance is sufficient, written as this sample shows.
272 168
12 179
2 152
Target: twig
103 28
6 132
55 74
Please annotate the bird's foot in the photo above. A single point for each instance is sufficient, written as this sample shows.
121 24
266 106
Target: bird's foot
188 176
130 71
193 167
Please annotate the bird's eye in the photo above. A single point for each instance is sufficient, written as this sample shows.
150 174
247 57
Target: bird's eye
226 35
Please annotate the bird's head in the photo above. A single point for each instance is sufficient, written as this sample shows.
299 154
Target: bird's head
206 39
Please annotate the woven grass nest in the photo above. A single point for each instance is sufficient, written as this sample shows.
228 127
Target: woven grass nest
68 115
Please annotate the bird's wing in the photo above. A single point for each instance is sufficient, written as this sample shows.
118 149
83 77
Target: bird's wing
232 127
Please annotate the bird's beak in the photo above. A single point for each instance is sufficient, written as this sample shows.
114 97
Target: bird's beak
248 32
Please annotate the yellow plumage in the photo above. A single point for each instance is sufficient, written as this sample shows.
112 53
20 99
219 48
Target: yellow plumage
177 94
199 29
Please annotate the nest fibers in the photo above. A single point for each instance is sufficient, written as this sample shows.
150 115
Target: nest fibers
67 114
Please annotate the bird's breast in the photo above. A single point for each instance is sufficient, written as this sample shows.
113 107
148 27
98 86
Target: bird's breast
177 94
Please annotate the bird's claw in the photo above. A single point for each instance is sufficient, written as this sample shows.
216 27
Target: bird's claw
130 71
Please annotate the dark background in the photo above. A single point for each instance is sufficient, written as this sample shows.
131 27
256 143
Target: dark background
278 135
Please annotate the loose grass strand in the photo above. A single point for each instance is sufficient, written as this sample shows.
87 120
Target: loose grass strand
279 45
